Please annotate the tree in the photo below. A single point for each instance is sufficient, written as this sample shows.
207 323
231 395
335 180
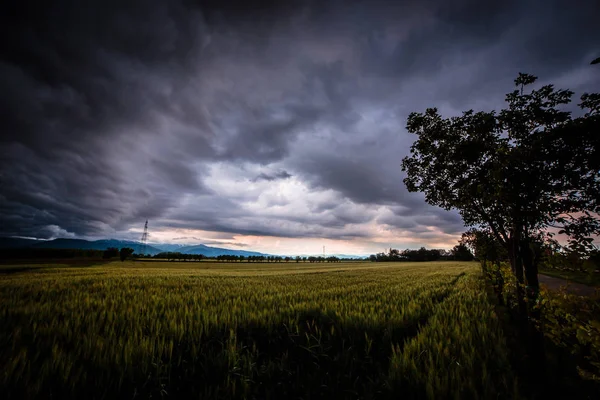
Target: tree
484 246
125 252
394 255
515 173
110 253
461 252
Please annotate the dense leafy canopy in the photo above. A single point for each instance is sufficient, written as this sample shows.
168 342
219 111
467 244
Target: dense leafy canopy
517 172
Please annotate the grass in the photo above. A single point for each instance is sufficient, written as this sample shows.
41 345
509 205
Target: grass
251 331
586 278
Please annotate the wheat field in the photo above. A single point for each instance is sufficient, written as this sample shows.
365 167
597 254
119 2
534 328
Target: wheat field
216 330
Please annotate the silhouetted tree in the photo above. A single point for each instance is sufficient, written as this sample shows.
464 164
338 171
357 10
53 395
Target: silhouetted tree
110 253
461 252
484 246
529 167
125 252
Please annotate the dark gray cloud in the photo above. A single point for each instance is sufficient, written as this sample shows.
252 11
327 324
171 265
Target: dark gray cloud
272 177
269 118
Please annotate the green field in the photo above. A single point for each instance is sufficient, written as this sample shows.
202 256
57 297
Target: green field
246 330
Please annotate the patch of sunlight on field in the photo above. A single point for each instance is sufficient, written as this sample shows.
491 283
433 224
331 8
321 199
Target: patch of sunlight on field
250 330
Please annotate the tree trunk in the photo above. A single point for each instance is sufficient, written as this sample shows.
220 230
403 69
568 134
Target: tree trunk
516 264
536 337
530 264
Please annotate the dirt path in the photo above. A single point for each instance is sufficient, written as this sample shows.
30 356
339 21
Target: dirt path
572 287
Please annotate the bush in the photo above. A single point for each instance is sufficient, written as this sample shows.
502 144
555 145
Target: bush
110 253
573 323
569 325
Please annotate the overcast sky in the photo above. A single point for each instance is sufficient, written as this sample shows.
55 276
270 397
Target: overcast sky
277 126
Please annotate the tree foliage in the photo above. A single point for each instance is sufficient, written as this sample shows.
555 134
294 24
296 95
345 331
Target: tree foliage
484 245
461 252
176 255
421 254
125 253
110 253
516 172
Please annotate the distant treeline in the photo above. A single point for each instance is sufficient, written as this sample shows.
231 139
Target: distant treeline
125 252
176 256
458 253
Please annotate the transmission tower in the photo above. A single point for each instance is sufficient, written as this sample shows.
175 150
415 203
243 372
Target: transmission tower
144 239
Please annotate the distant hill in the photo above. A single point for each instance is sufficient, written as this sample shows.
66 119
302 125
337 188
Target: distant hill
216 251
93 245
151 249
16 243
61 243
104 244
169 246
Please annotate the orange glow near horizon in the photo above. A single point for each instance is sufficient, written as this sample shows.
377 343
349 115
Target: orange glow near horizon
382 241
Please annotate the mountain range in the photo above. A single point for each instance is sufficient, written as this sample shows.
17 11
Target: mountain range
152 249
104 244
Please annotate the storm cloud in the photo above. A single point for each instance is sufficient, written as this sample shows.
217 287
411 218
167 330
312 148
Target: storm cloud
281 119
